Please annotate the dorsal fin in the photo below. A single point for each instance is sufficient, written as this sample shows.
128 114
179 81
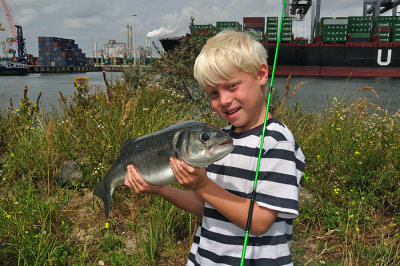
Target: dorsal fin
126 144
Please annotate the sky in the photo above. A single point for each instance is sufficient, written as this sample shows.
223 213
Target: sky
89 21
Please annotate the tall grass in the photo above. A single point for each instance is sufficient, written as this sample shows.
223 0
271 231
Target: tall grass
352 150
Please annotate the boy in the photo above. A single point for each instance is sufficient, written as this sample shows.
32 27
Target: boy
232 68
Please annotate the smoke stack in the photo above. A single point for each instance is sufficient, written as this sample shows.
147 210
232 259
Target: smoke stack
127 41
130 40
148 46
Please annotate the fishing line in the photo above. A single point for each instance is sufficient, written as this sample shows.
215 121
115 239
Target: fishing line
253 194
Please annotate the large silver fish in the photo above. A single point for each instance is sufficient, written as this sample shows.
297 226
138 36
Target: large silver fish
196 143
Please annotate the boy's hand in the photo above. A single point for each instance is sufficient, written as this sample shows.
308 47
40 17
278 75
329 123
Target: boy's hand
188 176
137 183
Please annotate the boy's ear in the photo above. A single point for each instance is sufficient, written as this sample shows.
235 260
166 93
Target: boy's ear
263 74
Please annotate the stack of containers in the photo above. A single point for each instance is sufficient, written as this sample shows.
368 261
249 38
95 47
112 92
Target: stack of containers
254 26
228 25
286 34
359 28
202 31
385 25
54 51
334 30
396 32
272 29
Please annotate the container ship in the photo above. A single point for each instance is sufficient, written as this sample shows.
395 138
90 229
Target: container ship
360 46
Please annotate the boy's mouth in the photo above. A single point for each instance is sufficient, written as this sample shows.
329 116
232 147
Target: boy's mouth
232 111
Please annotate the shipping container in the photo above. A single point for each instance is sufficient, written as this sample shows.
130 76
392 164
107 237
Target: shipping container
59 52
228 25
258 20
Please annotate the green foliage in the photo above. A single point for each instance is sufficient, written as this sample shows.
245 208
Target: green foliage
352 151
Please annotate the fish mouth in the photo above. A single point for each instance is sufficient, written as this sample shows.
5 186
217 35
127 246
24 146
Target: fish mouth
225 142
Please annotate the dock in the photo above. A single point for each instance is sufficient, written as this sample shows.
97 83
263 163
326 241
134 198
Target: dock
79 69
63 69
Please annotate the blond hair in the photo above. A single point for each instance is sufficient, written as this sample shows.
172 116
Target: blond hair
224 51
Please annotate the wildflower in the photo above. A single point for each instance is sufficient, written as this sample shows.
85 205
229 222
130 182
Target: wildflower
8 216
4 179
337 190
62 222
357 153
101 262
139 134
26 232
335 99
337 213
357 229
17 110
318 156
106 225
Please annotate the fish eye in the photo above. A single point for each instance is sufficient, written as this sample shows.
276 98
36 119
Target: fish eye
205 136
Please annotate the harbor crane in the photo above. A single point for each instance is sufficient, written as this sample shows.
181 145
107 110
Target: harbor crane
17 34
377 7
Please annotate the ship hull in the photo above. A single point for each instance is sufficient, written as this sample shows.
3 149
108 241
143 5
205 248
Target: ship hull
12 68
339 61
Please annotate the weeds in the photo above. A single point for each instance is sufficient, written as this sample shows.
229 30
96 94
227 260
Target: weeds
352 150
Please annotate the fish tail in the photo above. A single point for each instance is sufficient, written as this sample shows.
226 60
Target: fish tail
104 192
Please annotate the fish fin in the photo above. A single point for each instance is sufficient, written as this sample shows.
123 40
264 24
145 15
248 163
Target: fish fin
104 192
125 144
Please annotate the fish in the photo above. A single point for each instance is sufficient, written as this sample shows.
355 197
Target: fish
197 143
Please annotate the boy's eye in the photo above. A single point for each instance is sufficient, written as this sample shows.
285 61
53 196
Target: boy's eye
213 94
232 86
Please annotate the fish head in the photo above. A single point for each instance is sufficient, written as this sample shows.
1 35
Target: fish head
202 145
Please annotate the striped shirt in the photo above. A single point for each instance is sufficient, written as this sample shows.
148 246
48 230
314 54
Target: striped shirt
218 241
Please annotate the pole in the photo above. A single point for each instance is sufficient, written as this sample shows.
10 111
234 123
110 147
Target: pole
253 194
134 40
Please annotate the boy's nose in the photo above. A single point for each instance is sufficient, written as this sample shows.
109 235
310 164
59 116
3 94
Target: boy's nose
225 99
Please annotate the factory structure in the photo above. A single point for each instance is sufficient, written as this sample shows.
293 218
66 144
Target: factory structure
122 53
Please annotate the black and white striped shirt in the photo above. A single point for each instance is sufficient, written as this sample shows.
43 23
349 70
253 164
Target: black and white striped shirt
218 241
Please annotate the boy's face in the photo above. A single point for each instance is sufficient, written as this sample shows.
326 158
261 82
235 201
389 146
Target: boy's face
240 100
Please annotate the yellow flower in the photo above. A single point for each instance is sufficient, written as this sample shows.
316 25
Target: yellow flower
17 110
106 225
318 156
4 179
335 99
8 216
26 232
357 153
357 229
139 134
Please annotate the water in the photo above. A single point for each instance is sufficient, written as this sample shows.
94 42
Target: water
12 87
313 96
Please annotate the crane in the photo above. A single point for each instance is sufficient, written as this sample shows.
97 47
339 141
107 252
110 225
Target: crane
16 32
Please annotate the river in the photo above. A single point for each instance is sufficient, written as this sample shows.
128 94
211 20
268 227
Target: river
313 95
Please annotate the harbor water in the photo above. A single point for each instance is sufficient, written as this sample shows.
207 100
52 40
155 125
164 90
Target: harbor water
314 95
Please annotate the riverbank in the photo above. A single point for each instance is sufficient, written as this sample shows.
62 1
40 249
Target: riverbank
352 217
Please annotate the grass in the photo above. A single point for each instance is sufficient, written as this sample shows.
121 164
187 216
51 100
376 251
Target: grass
352 150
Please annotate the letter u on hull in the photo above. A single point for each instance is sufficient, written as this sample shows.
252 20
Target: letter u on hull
388 59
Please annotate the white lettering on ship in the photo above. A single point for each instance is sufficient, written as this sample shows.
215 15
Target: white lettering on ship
388 59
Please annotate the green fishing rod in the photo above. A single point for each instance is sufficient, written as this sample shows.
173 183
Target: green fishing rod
253 194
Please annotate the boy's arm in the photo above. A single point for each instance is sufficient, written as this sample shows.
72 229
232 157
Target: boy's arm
233 207
186 200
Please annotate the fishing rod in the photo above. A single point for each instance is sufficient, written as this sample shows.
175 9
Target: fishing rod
253 194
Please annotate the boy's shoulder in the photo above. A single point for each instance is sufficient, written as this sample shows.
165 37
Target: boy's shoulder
274 125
